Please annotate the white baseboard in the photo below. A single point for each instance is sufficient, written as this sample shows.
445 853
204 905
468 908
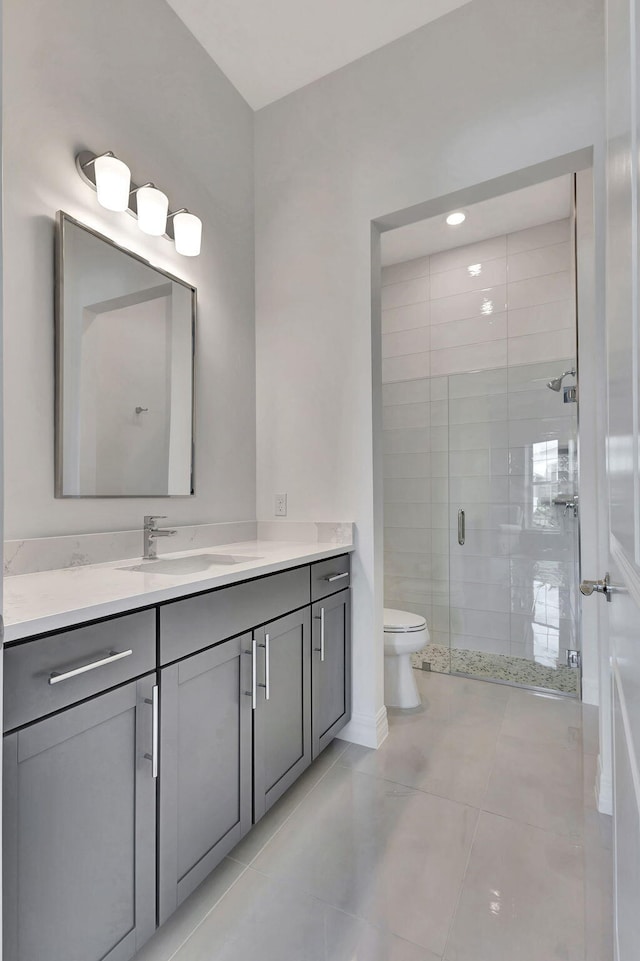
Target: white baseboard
603 791
590 691
368 730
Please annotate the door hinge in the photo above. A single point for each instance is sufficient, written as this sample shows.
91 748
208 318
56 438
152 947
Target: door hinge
574 659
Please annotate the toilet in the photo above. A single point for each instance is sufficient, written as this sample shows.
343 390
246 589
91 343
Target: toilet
404 634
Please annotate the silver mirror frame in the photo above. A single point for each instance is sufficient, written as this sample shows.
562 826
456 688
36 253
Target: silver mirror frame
61 220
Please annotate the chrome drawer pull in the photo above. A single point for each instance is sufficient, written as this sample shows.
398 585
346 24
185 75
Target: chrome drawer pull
153 757
56 677
267 667
320 650
253 693
336 577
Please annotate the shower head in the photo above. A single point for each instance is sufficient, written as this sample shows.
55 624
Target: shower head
556 383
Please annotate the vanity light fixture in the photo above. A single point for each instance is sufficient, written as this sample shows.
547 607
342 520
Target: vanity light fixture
456 218
187 232
111 179
153 207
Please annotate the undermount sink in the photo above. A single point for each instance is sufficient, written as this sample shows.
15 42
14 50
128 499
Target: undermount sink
190 565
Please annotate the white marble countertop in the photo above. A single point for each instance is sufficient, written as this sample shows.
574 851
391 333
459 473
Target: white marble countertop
50 600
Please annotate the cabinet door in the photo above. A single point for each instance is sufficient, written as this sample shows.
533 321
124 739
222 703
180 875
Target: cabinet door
205 765
331 668
79 831
282 719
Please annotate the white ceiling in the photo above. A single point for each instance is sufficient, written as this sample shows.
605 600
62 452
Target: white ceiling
268 48
529 207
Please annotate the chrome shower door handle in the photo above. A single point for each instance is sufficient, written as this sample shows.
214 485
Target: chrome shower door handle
461 527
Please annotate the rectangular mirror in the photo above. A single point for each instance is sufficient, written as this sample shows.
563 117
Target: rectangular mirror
125 345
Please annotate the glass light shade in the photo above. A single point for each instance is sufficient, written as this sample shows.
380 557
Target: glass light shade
153 207
187 230
113 183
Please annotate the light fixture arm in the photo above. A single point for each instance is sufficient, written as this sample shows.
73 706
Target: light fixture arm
107 153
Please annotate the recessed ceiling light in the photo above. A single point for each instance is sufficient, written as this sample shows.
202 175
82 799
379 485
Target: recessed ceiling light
456 218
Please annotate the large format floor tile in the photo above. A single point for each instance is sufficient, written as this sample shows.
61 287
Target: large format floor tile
538 784
443 758
522 899
545 719
383 852
372 856
178 930
274 921
464 702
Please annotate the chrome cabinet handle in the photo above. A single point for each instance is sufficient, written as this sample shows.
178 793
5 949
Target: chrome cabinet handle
599 587
336 577
320 650
153 757
253 693
55 677
267 667
461 527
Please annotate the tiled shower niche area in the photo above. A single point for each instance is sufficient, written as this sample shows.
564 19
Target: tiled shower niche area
470 424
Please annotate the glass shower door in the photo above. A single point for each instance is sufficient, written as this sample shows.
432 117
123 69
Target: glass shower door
513 526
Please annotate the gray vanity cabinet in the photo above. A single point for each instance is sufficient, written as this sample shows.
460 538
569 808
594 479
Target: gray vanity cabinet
205 765
331 668
282 718
79 831
122 793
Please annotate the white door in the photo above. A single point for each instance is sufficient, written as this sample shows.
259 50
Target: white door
623 466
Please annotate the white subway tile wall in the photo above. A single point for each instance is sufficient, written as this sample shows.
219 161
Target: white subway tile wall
470 338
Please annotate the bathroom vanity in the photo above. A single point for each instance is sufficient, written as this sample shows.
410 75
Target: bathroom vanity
143 742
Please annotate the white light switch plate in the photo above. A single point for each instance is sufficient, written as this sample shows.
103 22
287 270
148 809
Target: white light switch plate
281 505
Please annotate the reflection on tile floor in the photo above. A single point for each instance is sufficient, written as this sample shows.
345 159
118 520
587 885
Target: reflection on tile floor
499 667
470 835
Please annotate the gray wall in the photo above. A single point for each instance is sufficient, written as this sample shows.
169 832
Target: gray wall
494 87
127 77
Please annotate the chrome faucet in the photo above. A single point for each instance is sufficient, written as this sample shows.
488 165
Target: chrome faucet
151 534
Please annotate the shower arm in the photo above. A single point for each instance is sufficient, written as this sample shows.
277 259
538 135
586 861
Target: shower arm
556 382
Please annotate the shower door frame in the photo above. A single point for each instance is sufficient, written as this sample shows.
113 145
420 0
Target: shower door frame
590 360
576 545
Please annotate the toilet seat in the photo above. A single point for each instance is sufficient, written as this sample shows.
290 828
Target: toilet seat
402 622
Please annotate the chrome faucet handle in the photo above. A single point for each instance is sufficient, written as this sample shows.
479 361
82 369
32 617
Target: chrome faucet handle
150 519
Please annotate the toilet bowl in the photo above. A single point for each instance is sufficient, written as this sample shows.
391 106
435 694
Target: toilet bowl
404 634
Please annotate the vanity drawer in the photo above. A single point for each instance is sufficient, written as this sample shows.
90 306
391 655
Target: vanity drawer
330 576
43 676
198 622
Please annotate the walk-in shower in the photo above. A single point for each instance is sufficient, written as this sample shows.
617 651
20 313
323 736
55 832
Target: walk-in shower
480 457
